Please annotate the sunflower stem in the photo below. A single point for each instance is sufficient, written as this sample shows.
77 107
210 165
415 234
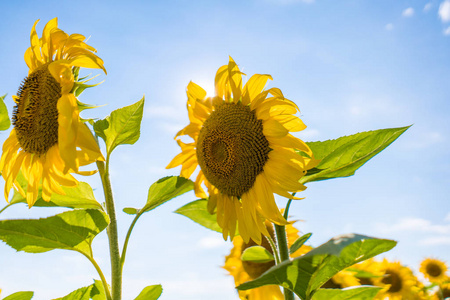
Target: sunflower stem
284 253
116 273
127 238
274 249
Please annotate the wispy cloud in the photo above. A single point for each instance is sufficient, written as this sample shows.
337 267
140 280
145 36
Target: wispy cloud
427 6
433 234
444 11
447 31
409 12
389 27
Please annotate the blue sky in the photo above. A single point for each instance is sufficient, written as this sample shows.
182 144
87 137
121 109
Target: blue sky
349 65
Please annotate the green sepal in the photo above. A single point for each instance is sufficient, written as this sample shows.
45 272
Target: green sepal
71 230
5 122
306 274
257 254
151 292
121 127
360 293
20 296
343 156
299 242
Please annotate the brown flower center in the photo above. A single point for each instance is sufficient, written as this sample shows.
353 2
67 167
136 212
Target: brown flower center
232 149
433 270
394 280
253 269
35 115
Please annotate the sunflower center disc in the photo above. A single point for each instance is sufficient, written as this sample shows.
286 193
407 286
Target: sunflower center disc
394 280
232 149
434 270
35 116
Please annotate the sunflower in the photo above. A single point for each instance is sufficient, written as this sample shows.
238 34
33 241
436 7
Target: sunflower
243 271
244 149
49 141
434 270
398 281
341 280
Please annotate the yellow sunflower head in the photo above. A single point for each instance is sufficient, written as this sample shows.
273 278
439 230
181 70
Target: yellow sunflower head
243 271
242 143
398 281
49 141
434 270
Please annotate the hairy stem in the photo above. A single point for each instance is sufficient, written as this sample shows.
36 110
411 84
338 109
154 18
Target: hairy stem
284 254
116 272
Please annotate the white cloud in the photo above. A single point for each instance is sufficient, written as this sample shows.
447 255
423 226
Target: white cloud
427 6
447 31
444 11
409 12
435 241
389 26
447 218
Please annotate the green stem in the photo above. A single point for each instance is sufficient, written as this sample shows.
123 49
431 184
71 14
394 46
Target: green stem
116 273
284 254
274 249
102 277
4 208
127 238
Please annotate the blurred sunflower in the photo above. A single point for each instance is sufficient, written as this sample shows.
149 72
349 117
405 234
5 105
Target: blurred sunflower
244 149
397 281
367 271
434 270
341 280
243 271
49 141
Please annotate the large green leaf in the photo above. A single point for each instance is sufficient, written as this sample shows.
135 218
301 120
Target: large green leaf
83 293
306 274
122 126
151 292
71 230
343 156
360 293
4 117
20 296
162 191
197 211
81 196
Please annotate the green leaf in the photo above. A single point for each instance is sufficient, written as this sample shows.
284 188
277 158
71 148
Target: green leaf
131 210
71 230
4 117
98 291
299 242
121 127
20 296
343 156
257 254
306 274
166 189
197 211
360 293
151 292
81 196
83 293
